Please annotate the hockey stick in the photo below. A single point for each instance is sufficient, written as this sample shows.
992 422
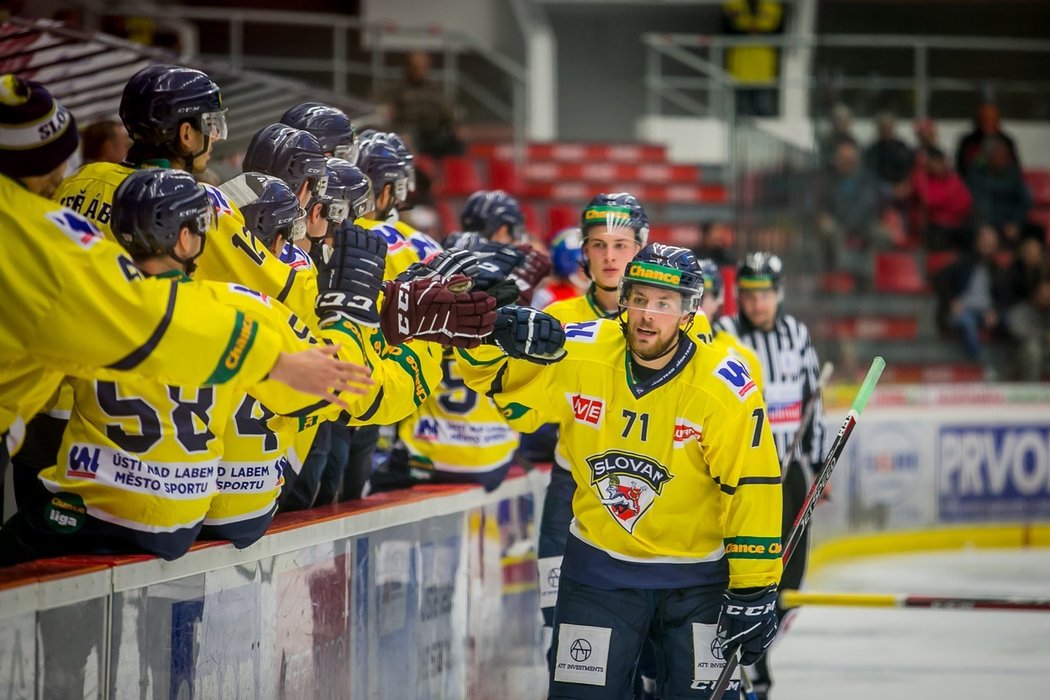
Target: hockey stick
808 505
794 599
807 415
748 686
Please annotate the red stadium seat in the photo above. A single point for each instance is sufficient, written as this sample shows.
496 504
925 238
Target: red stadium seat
503 175
1039 184
459 177
898 273
937 261
561 216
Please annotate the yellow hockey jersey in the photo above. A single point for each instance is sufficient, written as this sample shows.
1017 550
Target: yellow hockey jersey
399 254
260 443
83 308
458 431
677 476
586 308
157 460
231 254
729 343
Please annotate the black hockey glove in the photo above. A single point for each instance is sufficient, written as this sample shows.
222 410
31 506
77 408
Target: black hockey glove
350 281
525 333
749 621
443 266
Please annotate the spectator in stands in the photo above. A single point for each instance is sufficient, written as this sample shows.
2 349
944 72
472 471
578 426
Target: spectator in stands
104 141
755 65
943 203
1027 271
890 160
926 135
971 148
841 132
971 292
1001 198
716 243
1029 325
419 110
849 219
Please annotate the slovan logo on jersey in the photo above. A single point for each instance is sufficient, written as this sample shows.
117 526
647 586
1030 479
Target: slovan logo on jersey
627 483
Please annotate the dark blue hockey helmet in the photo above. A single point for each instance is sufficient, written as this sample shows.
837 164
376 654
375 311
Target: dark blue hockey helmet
269 206
619 210
566 252
329 125
159 98
349 192
486 211
759 270
290 154
667 267
384 165
410 161
714 284
152 205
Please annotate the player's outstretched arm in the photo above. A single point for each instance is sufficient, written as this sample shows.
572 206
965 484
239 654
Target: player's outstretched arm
320 372
516 367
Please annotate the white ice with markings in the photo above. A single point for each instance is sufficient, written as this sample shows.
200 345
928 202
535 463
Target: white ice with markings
889 653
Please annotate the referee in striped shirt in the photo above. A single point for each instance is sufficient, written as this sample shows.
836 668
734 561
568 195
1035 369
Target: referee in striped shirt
791 371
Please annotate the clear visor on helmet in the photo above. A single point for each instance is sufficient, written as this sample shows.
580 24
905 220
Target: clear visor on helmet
203 223
401 190
656 300
338 210
410 175
364 204
347 151
320 186
213 125
297 232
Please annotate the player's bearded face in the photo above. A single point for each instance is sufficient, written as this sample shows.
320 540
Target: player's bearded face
654 317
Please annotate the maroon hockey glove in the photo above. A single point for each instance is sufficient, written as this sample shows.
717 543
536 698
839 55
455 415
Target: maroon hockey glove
438 311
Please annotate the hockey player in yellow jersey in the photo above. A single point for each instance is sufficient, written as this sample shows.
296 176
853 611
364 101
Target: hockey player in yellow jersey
83 306
613 227
675 537
386 168
711 307
174 116
242 509
137 467
458 436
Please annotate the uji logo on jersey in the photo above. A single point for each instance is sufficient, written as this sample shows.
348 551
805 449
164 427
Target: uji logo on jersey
735 375
627 484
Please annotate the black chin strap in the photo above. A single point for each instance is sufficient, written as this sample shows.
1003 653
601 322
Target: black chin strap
188 264
193 158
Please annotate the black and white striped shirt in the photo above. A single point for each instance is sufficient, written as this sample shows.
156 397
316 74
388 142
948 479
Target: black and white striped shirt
791 371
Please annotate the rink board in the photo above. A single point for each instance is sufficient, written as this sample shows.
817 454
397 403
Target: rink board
428 594
432 593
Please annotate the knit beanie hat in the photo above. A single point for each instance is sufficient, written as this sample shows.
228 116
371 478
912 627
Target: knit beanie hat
37 134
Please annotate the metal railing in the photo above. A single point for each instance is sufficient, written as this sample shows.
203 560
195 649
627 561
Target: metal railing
687 71
340 66
88 71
